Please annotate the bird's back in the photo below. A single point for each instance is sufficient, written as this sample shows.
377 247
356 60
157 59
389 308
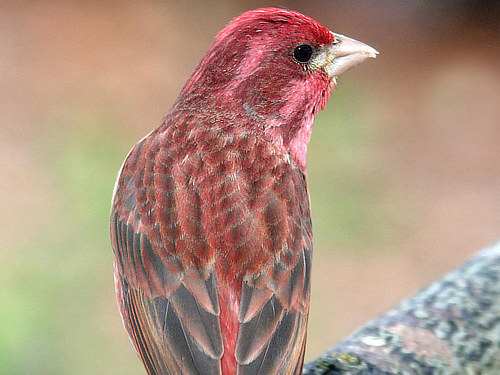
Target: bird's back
212 238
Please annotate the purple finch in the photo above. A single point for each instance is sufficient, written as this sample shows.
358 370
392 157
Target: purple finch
210 218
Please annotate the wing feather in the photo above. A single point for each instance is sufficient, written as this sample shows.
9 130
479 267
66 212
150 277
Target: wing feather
172 332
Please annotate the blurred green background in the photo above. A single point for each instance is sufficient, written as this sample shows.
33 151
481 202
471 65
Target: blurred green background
404 164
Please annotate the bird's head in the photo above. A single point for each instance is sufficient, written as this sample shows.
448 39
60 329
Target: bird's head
276 69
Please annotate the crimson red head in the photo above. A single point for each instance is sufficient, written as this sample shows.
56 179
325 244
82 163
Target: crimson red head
259 44
273 67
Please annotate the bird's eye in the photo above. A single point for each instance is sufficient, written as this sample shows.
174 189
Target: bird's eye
303 53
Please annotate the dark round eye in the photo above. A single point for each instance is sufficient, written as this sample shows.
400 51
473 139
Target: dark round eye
303 53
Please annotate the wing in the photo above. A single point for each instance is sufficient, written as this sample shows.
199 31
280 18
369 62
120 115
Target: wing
168 302
274 303
272 336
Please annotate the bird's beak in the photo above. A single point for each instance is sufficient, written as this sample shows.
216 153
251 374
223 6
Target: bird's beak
344 53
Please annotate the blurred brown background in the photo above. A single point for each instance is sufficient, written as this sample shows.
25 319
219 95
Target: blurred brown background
404 164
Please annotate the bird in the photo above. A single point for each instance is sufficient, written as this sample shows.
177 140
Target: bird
210 219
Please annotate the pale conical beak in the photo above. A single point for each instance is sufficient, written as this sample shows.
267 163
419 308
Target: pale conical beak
346 53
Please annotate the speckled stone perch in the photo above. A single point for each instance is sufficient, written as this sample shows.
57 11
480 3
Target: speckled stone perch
450 327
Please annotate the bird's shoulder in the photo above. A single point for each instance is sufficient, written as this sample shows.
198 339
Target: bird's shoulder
196 190
205 153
